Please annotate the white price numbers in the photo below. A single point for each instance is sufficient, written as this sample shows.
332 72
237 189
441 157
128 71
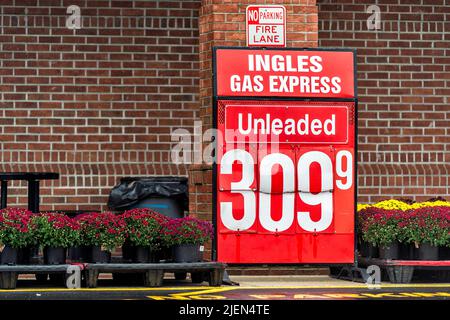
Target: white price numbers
324 198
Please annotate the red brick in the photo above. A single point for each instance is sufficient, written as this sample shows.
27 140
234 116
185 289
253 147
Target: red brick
108 71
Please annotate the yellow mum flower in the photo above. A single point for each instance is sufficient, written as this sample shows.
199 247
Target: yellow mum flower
400 205
392 205
361 206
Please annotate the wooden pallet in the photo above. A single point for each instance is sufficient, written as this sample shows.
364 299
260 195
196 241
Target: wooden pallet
402 271
10 273
212 272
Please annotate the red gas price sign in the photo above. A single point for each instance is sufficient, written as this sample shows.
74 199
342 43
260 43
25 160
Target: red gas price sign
285 176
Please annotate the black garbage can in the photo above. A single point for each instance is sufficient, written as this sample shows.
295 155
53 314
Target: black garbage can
166 195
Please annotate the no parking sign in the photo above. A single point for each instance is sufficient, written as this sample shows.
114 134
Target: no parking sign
284 181
266 26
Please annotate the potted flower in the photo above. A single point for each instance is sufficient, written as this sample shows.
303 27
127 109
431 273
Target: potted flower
365 248
380 228
103 232
81 252
428 229
186 236
16 234
143 234
56 232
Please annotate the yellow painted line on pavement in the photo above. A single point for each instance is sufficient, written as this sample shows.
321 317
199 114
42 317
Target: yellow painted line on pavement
359 286
113 289
206 294
199 294
207 291
221 289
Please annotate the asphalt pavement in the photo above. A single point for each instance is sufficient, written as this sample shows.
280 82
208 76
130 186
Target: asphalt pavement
250 288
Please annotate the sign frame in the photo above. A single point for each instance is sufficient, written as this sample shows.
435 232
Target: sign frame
247 29
215 100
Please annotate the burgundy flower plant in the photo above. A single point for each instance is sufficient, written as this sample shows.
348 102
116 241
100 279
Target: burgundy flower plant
56 230
101 229
186 231
426 225
16 229
143 227
379 226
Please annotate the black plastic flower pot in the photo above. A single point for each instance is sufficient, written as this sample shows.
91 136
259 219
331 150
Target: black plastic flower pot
9 255
406 251
389 252
35 255
444 253
55 255
140 254
187 253
375 251
99 256
363 249
128 252
367 250
25 255
79 253
164 254
427 251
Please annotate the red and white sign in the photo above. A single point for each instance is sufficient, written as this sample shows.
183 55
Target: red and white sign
266 26
286 124
288 185
285 73
285 173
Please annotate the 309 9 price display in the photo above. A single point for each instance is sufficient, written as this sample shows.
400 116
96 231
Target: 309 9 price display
310 196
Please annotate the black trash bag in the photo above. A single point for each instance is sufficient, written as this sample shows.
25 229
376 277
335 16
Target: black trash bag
130 191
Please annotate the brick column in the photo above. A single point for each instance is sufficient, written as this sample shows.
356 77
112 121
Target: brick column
222 23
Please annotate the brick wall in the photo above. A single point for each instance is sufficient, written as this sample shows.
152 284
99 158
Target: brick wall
403 78
98 103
